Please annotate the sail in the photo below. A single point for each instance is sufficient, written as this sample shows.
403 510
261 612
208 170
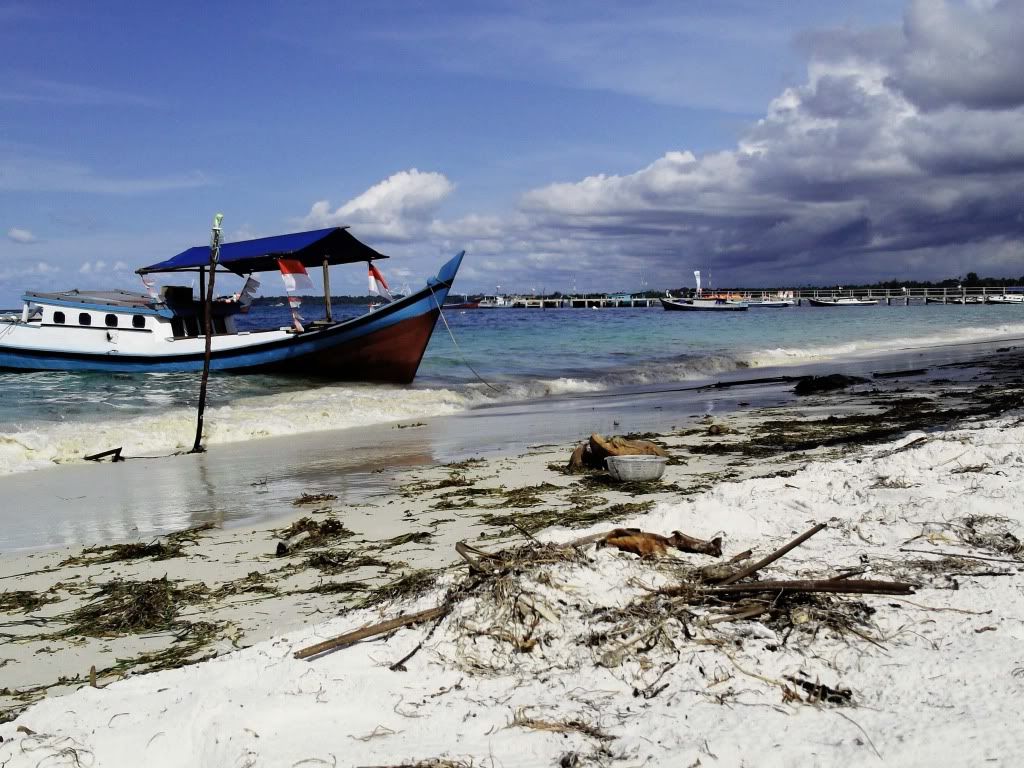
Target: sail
696 276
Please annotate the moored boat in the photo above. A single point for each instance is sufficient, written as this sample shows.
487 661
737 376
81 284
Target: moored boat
703 305
119 331
955 300
1006 298
842 301
771 303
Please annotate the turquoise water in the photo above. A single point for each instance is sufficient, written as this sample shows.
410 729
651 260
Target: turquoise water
502 355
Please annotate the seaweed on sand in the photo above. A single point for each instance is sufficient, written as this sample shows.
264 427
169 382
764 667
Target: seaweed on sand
190 639
415 537
320 531
990 533
527 496
577 517
254 582
336 588
123 607
408 585
341 561
25 601
313 498
165 548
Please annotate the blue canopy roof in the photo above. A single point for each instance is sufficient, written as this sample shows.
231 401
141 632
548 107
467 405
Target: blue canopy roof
260 255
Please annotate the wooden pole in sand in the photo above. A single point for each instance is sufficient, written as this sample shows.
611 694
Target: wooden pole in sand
197 447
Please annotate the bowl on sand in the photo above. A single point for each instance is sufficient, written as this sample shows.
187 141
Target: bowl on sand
635 468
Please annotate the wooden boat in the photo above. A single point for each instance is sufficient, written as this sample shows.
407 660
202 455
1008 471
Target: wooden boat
702 302
843 301
118 331
703 305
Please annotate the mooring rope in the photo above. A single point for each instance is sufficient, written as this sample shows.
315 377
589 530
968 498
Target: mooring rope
457 347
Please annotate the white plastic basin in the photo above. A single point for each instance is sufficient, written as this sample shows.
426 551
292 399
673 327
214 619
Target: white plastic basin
636 468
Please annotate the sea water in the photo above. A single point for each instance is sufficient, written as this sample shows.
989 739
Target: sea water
475 358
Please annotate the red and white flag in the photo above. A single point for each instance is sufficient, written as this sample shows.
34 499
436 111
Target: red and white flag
294 275
378 286
295 279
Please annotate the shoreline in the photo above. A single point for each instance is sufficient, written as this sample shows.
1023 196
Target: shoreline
227 589
250 483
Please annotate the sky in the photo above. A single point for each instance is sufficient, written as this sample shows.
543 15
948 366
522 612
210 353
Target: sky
572 146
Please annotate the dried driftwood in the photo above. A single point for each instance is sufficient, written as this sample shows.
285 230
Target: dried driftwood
372 630
284 546
655 545
753 568
847 586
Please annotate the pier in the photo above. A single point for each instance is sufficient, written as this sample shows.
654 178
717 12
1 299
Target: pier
955 295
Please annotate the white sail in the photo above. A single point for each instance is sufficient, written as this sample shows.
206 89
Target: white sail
696 275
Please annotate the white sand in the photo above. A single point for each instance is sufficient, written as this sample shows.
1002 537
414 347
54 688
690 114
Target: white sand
936 679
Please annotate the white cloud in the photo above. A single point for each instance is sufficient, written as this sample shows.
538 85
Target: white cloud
398 208
91 267
19 235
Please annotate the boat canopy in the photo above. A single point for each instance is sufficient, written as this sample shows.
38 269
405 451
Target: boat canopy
335 244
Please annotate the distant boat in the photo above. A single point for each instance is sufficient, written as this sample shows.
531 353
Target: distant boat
955 300
704 305
842 301
119 331
463 305
701 303
1006 298
493 302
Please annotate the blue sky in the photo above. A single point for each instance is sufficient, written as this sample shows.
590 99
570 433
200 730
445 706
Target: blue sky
556 143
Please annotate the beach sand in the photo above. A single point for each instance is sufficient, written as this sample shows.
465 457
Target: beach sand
563 660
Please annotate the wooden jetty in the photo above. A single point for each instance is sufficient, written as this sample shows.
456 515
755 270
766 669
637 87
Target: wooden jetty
957 295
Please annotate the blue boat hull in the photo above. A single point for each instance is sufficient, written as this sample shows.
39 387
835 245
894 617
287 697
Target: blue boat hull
385 345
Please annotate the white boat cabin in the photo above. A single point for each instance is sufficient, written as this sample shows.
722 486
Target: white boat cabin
178 315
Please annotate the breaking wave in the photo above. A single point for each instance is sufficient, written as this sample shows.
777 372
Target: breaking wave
156 422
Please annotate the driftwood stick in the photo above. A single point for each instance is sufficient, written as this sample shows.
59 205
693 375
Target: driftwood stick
848 574
939 553
685 543
114 453
851 586
371 631
399 666
742 573
475 557
585 540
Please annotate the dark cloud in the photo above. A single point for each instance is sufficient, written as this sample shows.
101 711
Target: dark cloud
902 154
968 55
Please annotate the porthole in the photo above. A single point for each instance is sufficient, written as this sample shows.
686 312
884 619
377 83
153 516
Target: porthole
138 321
85 319
58 317
111 321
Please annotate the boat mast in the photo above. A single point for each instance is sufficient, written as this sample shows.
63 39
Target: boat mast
197 447
327 290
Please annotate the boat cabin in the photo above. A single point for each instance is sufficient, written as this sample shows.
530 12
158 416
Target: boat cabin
178 315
